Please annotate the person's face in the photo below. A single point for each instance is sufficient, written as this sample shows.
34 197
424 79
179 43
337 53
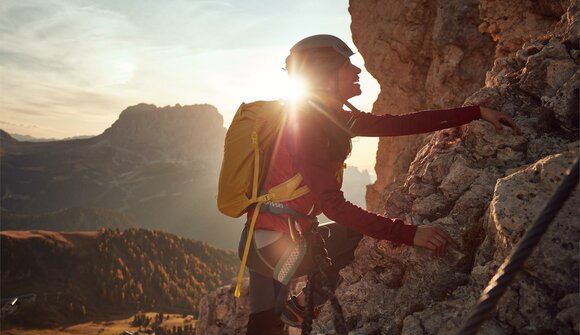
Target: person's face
348 80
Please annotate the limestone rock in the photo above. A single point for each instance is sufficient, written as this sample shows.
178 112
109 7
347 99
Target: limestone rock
552 68
569 306
549 280
513 22
518 199
425 54
564 103
458 179
223 314
467 180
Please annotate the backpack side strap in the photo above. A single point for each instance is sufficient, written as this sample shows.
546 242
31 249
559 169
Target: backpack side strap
285 191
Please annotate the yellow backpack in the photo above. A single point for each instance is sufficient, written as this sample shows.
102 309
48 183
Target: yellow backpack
249 143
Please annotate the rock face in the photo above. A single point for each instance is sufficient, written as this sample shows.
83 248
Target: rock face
482 187
158 165
425 54
395 289
511 23
222 314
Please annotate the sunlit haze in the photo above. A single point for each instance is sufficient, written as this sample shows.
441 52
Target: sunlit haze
68 68
295 89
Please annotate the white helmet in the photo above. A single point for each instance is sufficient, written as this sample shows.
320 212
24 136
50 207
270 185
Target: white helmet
322 41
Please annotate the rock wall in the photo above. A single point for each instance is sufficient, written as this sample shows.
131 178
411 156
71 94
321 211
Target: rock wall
482 187
513 22
221 313
425 54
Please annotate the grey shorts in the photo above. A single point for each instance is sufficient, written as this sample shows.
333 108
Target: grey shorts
266 265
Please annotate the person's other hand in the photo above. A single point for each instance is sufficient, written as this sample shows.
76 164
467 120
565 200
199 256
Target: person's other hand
497 119
434 239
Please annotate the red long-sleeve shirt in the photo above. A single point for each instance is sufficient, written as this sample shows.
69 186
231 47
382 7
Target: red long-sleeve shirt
303 148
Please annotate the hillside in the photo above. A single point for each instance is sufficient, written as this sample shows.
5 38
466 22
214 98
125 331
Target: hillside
158 165
93 275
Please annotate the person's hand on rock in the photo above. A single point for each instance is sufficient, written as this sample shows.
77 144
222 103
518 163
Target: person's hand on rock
498 119
434 239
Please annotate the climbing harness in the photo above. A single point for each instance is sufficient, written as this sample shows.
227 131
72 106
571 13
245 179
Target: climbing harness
507 271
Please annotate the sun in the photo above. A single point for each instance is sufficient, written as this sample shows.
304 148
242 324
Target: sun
121 69
295 89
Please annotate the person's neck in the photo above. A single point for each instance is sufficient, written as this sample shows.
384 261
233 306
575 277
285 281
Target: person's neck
329 101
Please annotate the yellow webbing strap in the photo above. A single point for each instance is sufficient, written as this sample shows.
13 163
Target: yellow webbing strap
246 250
256 164
286 191
259 201
289 189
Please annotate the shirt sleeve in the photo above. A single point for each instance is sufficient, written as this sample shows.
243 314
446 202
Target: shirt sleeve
366 124
314 163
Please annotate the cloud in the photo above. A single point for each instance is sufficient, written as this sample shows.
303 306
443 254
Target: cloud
83 61
19 128
61 62
20 125
70 40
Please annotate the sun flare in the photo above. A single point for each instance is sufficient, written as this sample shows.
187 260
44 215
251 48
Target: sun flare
295 89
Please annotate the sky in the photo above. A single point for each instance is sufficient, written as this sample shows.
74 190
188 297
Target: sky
69 67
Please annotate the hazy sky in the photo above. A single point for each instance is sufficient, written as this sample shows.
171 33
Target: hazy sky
69 67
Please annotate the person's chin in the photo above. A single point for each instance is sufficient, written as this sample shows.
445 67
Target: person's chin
353 92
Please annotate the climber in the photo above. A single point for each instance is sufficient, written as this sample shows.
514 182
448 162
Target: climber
314 142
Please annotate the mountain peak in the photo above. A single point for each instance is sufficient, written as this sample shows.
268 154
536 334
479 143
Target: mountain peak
4 136
174 132
143 108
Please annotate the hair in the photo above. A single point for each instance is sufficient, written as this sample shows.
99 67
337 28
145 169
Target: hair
340 141
315 68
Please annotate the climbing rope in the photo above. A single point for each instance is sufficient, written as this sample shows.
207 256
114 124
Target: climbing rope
338 318
504 275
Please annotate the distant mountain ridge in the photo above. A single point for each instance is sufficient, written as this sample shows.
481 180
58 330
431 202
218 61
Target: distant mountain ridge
86 276
159 165
29 138
192 133
68 220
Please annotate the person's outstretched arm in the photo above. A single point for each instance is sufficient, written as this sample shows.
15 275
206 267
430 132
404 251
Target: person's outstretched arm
366 124
313 161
